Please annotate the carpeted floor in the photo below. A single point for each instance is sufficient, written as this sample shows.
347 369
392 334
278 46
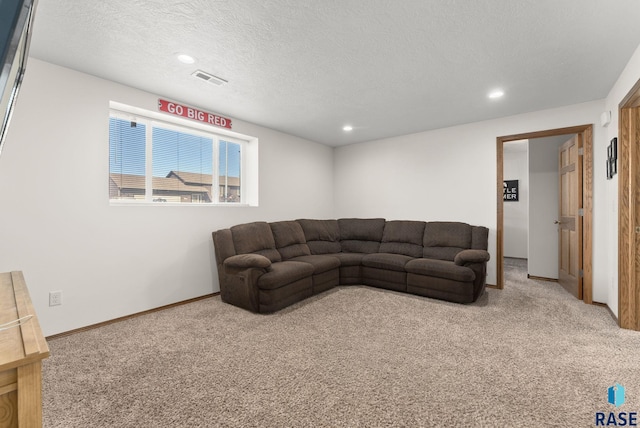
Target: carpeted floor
526 356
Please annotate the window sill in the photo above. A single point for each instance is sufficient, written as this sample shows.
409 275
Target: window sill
173 204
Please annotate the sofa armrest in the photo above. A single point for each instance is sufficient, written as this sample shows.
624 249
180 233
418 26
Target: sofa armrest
465 257
240 262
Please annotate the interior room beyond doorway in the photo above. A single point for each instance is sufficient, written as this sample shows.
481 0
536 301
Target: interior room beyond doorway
531 204
529 222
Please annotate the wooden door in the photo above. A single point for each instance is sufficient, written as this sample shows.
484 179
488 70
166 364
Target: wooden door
628 215
569 219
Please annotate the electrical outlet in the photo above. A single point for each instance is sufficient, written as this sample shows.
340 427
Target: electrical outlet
55 298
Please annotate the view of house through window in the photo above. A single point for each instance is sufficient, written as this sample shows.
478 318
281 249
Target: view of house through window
160 162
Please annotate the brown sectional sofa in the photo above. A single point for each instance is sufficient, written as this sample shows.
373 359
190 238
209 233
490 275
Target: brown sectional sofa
264 267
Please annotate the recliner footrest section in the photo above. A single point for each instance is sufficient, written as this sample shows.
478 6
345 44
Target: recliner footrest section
278 298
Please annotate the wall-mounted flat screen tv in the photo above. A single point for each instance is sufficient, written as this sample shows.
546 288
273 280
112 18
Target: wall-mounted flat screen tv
16 18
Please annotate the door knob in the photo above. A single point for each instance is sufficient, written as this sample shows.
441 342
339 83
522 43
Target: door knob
557 222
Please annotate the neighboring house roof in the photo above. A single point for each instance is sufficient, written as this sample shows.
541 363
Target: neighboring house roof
231 181
131 181
192 178
202 179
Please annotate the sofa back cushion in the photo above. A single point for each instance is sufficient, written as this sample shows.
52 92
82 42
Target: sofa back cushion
289 239
255 238
403 237
361 235
223 243
443 240
479 238
323 236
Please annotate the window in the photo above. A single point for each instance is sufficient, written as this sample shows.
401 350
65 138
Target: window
182 166
229 171
168 161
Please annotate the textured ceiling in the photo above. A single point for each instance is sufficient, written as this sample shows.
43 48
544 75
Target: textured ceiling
388 68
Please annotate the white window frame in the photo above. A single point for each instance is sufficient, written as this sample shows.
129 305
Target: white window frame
248 155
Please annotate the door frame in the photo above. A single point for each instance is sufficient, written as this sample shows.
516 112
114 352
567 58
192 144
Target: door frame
587 200
628 217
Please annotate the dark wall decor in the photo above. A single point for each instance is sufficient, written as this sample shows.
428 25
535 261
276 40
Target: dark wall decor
612 158
510 191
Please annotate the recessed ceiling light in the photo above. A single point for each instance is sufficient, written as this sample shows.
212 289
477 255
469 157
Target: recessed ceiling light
347 128
496 94
186 59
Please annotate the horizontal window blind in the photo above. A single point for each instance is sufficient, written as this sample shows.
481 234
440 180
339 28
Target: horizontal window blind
182 167
127 142
154 161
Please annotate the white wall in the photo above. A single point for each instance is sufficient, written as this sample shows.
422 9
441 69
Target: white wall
516 213
543 206
450 174
110 261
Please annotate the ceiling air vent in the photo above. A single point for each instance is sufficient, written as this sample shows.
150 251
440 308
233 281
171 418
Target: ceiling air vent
209 77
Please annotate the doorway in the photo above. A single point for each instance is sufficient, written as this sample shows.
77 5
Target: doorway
585 133
629 210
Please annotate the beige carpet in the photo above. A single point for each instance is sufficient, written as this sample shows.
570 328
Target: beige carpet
529 356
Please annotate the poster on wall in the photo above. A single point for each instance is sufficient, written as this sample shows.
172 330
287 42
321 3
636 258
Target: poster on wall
510 191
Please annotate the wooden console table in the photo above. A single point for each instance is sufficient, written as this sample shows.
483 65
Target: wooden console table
22 349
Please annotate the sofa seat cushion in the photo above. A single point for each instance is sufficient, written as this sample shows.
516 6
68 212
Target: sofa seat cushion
320 263
283 273
386 261
348 259
440 269
441 253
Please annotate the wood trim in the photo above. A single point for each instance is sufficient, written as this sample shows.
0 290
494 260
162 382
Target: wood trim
628 217
604 305
587 195
632 99
587 220
578 221
626 316
137 314
499 197
547 133
541 278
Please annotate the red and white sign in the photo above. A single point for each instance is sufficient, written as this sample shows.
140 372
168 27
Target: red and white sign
193 113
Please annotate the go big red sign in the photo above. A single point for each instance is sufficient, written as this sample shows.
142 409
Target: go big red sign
193 113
